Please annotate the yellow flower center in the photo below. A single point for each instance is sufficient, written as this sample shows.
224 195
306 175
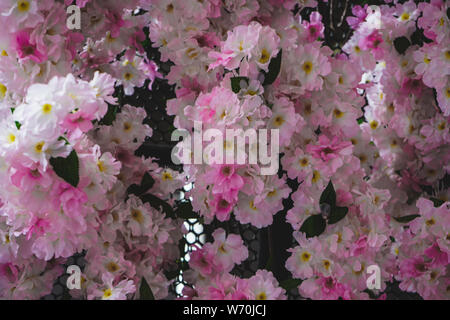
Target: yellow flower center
373 124
137 215
39 146
4 53
167 176
338 113
107 293
252 205
361 270
394 144
405 16
190 53
265 56
222 249
430 222
305 256
47 108
240 46
126 126
339 239
23 6
307 67
11 138
2 91
101 166
315 176
326 264
261 296
272 193
128 76
112 267
278 121
304 162
442 126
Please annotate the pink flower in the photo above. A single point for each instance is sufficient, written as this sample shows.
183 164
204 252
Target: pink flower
26 178
413 267
27 48
203 261
332 151
229 250
439 257
9 271
222 207
314 27
70 199
264 286
359 247
360 15
81 120
227 182
332 289
374 42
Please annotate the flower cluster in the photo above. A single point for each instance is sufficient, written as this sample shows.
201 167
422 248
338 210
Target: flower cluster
359 130
65 169
210 270
363 117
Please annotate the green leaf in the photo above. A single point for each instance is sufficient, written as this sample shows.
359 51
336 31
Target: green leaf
61 138
147 182
437 202
185 211
110 115
274 70
290 284
328 195
170 275
360 120
401 44
406 219
337 214
145 292
158 203
18 125
236 83
313 226
67 168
